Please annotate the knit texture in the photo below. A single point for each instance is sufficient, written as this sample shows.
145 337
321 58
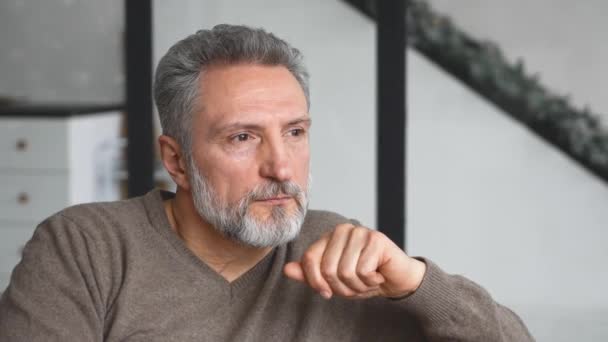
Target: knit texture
116 271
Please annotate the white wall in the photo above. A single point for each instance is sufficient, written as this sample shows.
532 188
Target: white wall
489 200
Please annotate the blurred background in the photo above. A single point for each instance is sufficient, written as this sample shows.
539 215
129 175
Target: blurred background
506 141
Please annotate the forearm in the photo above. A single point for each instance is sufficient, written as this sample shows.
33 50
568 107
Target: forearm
451 307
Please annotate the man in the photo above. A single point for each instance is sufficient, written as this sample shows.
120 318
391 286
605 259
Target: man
234 254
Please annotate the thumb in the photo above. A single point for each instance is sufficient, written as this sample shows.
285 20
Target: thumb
294 271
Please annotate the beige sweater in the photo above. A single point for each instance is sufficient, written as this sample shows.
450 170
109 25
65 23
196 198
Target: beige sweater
117 272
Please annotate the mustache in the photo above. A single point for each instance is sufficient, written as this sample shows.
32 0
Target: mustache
275 189
272 190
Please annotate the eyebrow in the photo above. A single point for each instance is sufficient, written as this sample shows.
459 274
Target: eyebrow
243 125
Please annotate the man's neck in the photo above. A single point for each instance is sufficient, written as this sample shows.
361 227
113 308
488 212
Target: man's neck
227 257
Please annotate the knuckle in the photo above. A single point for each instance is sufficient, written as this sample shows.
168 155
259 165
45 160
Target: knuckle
363 274
308 258
315 283
344 227
328 273
366 270
369 279
346 276
376 236
360 231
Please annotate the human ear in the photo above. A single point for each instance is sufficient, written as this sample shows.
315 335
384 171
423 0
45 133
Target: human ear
173 160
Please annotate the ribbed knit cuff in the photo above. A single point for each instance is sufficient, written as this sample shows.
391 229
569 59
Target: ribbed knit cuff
435 300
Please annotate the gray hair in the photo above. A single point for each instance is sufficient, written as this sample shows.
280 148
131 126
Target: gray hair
176 84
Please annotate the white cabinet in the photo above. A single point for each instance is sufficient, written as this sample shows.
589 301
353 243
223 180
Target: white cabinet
33 195
33 143
46 164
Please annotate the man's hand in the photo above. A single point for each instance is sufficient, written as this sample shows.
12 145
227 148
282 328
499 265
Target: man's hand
357 262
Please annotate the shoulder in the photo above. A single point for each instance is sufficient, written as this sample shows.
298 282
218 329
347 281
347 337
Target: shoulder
101 214
100 222
94 239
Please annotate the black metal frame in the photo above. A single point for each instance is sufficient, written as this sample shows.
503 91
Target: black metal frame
391 119
140 127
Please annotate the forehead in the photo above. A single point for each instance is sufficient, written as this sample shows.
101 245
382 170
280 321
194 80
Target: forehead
249 92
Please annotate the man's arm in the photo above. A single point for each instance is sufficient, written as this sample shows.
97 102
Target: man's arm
53 294
357 262
451 307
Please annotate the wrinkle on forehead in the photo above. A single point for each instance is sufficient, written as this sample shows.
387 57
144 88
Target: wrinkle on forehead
233 93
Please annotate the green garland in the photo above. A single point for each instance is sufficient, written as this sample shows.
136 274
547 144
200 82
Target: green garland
483 67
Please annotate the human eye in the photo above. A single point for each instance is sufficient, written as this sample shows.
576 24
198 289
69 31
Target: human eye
297 132
241 137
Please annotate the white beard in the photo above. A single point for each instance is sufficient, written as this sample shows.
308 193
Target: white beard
236 222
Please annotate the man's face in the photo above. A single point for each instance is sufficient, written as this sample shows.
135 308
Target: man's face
250 149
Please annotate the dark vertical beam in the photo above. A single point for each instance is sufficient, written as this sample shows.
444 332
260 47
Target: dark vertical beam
391 149
138 47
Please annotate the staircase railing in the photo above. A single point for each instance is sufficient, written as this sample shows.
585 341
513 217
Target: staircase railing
482 66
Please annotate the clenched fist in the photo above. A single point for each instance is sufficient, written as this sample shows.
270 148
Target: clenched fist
357 262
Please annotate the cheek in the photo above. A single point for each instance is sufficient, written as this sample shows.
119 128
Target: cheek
229 161
305 162
231 174
301 162
243 154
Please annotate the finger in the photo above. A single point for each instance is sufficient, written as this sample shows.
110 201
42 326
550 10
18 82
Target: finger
293 270
331 259
311 266
347 268
369 260
373 292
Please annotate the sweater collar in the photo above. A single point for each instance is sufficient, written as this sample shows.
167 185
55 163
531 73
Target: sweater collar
153 202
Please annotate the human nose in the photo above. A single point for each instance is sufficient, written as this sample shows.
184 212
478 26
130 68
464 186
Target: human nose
276 162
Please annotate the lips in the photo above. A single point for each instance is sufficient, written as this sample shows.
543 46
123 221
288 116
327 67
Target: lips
279 199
